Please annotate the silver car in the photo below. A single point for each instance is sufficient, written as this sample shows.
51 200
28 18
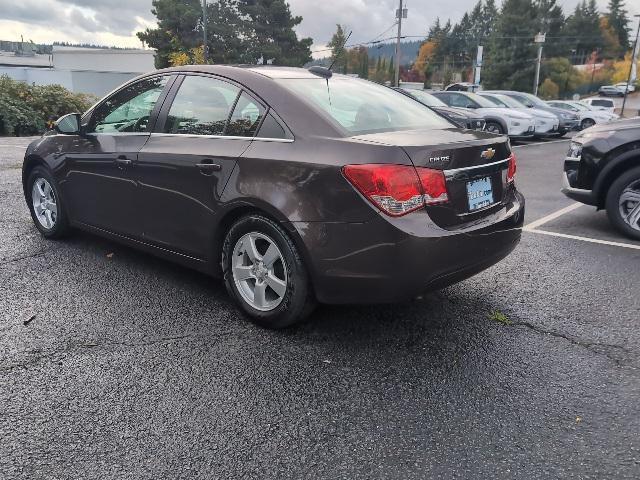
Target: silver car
546 122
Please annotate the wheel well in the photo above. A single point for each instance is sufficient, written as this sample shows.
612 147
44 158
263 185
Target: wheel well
611 176
31 162
225 224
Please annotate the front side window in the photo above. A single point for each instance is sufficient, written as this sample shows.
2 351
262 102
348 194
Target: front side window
201 106
360 106
129 109
460 100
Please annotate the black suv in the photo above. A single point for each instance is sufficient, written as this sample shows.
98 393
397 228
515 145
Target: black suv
602 169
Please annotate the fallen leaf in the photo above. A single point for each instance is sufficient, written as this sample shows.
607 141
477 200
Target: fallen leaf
109 255
578 419
326 360
28 320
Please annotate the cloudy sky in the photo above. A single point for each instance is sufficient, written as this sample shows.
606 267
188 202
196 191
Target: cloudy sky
114 22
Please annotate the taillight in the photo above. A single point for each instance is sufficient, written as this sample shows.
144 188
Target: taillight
511 171
397 189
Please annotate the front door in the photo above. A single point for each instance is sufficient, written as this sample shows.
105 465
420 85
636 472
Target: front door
99 184
183 168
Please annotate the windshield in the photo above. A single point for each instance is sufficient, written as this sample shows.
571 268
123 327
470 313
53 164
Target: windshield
510 102
426 98
579 106
533 99
480 100
361 106
495 100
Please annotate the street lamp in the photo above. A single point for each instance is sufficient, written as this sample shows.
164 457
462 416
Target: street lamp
633 59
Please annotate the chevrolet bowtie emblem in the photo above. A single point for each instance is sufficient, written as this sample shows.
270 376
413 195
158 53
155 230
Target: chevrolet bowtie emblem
488 153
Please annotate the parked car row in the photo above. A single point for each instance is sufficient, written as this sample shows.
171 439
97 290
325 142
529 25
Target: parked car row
617 90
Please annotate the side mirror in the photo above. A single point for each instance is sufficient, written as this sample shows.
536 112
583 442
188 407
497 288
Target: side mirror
68 124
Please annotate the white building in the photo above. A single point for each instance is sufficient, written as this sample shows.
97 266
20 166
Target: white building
81 70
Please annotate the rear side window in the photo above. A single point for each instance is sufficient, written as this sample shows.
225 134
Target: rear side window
201 106
271 128
602 103
246 117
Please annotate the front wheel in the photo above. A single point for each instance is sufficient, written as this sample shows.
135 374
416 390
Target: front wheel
586 123
623 203
45 204
265 274
494 127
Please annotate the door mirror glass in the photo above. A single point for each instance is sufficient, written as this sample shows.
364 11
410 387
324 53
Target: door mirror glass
68 124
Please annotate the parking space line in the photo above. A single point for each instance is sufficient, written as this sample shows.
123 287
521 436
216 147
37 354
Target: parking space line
585 239
13 146
537 223
541 143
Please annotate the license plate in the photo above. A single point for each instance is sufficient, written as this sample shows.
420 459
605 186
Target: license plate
479 193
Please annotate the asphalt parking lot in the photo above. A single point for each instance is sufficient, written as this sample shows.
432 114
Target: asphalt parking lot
136 368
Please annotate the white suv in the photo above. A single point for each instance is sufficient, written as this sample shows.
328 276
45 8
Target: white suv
499 120
588 115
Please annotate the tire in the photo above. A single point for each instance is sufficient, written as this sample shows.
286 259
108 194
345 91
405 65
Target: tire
278 307
618 203
494 127
586 123
45 204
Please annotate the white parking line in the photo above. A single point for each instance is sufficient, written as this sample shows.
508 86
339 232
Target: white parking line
542 143
14 146
585 239
552 216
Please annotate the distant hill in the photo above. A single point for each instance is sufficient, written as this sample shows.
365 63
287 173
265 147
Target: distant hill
385 50
409 51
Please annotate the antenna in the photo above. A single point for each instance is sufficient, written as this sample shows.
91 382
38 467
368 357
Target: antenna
340 50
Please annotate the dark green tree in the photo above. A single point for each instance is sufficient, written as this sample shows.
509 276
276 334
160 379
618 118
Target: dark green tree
338 52
619 20
511 54
581 32
270 36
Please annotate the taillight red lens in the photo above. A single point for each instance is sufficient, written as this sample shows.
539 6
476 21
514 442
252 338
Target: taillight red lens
433 185
397 189
511 171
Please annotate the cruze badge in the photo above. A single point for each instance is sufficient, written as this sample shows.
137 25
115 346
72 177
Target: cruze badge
488 153
443 158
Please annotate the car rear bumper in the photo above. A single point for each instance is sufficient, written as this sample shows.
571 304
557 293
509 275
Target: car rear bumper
389 260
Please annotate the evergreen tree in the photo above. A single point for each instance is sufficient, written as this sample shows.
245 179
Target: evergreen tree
270 35
511 53
582 31
338 52
550 20
619 21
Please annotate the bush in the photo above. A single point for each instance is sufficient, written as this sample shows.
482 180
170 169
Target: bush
549 89
25 109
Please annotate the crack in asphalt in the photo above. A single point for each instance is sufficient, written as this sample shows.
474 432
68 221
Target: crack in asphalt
85 346
595 347
6 261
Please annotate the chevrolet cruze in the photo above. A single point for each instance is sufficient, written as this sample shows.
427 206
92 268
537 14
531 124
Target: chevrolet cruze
293 186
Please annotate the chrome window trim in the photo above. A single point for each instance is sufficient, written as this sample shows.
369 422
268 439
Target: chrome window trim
225 137
453 171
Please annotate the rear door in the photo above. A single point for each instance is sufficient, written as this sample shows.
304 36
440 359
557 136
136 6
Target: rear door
205 125
99 184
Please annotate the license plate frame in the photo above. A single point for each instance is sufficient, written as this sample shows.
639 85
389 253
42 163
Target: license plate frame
479 193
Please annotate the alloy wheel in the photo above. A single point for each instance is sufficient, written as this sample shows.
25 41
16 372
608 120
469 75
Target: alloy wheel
44 203
259 271
629 205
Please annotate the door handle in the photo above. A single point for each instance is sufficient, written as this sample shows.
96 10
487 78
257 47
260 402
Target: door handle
123 161
207 167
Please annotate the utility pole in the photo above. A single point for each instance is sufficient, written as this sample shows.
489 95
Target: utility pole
539 39
400 14
631 68
205 48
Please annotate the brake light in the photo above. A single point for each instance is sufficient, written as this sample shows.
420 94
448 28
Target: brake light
397 189
511 171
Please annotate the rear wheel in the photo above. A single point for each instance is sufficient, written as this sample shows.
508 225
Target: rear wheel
494 127
623 203
265 274
45 204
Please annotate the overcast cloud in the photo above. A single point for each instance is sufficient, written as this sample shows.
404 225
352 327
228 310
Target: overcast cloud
114 22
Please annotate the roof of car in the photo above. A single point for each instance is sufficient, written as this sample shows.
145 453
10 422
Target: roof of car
268 71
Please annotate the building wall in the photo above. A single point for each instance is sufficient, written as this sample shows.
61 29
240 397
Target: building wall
95 83
103 60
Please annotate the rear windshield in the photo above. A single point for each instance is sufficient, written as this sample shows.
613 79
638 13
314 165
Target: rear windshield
602 103
361 106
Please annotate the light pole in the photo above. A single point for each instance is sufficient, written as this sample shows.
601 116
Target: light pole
539 39
633 59
400 14
204 32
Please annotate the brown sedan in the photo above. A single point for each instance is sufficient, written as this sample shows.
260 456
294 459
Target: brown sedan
295 186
